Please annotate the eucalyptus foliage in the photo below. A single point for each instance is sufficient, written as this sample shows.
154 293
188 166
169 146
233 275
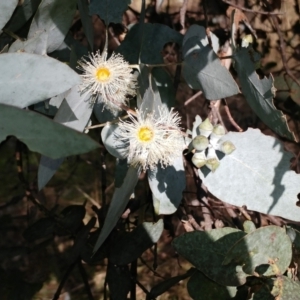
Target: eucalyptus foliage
36 80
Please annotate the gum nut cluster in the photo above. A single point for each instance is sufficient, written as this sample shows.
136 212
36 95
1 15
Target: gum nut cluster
206 144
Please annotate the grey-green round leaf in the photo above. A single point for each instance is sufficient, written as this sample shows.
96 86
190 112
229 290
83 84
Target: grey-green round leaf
26 78
266 251
150 44
257 174
201 287
111 11
206 250
167 185
203 71
41 134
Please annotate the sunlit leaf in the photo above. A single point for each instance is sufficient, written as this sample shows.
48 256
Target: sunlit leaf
74 112
22 14
55 17
266 251
259 94
7 7
26 78
167 185
118 203
257 174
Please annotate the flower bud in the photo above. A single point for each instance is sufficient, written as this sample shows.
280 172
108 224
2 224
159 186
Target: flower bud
226 147
217 133
200 142
212 161
206 128
199 159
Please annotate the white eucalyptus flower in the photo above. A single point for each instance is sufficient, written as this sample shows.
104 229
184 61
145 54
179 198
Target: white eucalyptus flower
152 139
110 79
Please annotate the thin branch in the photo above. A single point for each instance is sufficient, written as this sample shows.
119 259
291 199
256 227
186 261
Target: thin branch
85 280
63 281
253 11
188 101
230 118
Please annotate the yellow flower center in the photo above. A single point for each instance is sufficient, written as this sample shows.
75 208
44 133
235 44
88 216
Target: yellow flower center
102 74
145 134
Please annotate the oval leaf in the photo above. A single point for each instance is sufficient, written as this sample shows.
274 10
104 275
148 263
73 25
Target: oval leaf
259 94
167 185
26 78
257 174
201 287
41 134
154 37
206 250
111 11
266 251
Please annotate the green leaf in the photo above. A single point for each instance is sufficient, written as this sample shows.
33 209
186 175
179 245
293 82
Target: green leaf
206 250
74 112
202 68
110 11
131 246
266 251
201 287
22 14
41 134
35 45
258 174
167 185
55 17
6 10
154 37
87 22
26 78
259 94
118 203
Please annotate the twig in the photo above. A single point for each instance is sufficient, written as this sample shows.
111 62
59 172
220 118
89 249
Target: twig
88 197
141 286
133 274
85 280
253 11
230 118
151 269
188 101
281 45
63 281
